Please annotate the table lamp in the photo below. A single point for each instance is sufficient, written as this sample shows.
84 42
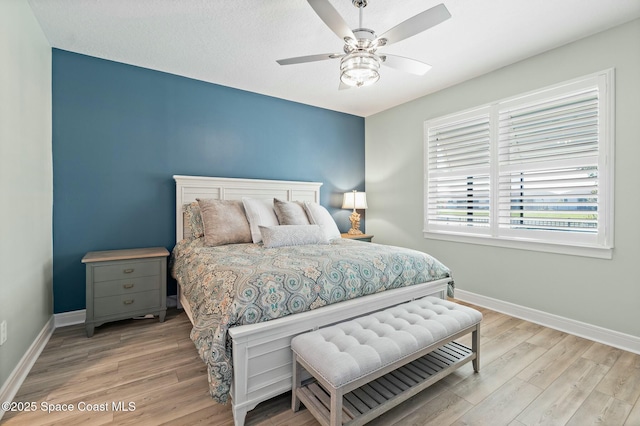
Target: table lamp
354 200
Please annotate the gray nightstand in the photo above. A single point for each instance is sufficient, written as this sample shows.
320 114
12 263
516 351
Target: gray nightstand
359 237
125 283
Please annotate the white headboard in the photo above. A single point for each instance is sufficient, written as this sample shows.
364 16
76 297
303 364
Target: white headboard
188 188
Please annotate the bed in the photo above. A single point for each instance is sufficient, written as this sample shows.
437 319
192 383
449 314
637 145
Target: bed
258 347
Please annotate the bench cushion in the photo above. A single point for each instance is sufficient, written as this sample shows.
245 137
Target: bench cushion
347 351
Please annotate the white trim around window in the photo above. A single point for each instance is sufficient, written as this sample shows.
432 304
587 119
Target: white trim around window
533 172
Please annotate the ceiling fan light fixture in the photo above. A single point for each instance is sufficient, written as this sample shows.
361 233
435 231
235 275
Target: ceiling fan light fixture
359 69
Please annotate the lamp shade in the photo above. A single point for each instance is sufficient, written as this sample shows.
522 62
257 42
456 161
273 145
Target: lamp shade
354 200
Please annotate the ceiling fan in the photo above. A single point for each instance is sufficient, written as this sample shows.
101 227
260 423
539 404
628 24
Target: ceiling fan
360 62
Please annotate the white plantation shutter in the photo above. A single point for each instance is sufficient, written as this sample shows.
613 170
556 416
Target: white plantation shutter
458 158
548 165
535 168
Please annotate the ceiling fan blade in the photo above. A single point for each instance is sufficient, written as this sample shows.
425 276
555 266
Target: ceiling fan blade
421 22
310 58
407 65
332 18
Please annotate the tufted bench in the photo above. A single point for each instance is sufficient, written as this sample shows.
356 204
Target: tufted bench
366 366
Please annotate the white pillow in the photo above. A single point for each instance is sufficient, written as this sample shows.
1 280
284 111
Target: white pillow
318 215
259 213
292 235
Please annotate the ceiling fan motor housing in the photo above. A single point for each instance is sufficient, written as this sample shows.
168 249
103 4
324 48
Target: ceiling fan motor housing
365 41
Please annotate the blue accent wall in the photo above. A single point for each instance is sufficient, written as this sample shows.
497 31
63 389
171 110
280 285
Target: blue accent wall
121 132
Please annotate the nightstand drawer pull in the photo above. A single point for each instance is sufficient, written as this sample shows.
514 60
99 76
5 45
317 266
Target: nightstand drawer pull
127 286
128 302
128 271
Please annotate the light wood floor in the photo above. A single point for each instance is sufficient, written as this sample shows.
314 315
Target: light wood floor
529 375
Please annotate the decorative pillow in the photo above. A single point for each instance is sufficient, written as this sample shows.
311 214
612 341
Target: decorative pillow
318 215
290 213
224 222
193 219
292 235
259 213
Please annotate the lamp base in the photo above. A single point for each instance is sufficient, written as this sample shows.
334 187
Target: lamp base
355 224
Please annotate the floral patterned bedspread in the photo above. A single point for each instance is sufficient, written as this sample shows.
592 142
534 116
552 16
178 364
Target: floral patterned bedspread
246 283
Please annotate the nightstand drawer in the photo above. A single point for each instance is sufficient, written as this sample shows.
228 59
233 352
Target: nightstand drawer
119 287
106 306
124 270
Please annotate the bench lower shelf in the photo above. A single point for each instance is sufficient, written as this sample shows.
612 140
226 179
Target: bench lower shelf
371 400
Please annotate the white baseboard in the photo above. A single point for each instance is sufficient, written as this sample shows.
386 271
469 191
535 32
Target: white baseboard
17 376
70 318
613 338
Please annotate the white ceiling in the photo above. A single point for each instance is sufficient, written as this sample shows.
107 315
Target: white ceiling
236 43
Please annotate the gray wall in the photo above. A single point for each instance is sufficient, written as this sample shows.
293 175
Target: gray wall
25 181
605 293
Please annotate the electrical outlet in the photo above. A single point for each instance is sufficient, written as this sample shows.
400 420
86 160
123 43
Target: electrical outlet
3 332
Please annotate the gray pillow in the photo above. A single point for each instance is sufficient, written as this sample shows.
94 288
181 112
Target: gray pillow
290 213
224 222
292 235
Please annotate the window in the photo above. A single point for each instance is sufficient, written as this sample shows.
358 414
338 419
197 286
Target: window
533 171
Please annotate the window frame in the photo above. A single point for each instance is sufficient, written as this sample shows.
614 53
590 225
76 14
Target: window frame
600 246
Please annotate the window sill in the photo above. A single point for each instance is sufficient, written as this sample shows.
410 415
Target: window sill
572 250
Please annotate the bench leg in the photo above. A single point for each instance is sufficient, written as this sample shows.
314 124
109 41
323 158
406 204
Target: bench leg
475 347
336 407
296 383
